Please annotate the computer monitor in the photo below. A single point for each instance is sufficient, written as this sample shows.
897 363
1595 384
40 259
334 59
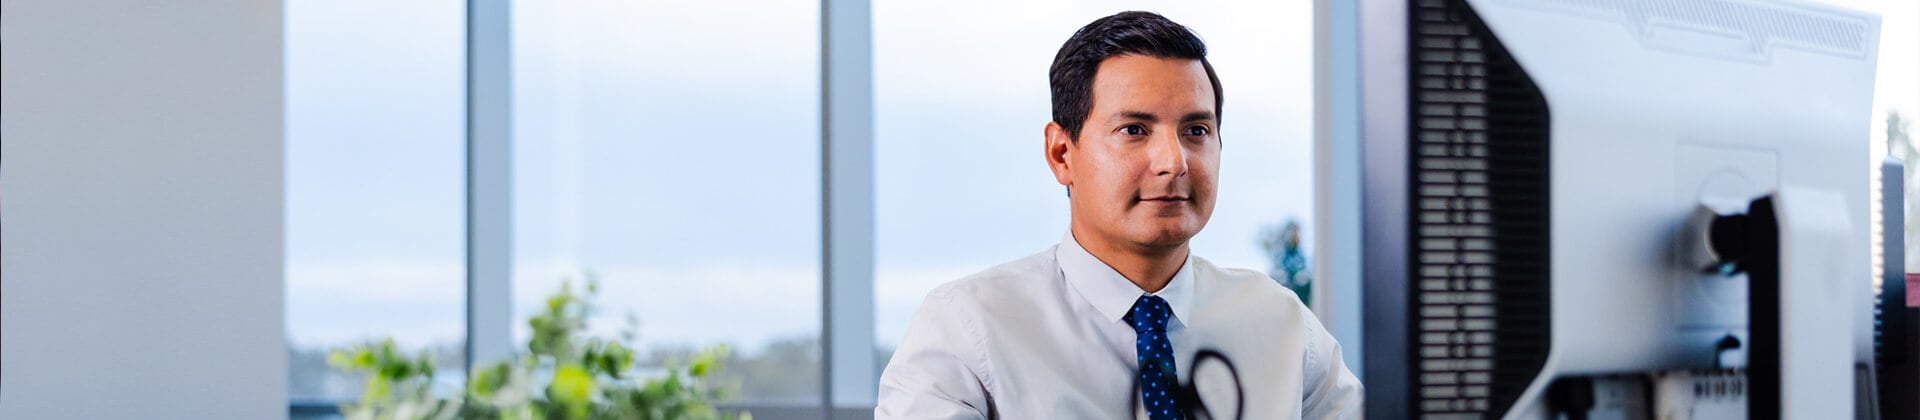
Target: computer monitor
1531 168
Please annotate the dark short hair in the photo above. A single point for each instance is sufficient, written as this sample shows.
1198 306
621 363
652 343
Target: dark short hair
1137 33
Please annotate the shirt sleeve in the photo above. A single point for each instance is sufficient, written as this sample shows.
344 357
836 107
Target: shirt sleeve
932 374
1331 391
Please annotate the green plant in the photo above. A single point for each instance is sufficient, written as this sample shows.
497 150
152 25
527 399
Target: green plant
560 375
398 386
1282 243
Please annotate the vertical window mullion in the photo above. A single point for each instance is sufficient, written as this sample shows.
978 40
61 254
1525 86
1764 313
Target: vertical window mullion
489 181
847 211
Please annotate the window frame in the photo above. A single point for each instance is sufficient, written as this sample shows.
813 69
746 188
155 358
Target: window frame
848 388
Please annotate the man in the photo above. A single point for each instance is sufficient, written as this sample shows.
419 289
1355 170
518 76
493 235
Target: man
1109 322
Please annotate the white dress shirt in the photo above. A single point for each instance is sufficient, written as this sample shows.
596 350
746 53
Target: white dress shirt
1043 338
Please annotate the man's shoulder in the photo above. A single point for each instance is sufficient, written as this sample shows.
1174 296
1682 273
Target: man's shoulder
1002 281
1245 285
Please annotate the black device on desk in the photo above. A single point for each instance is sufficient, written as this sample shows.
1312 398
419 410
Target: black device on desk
1896 317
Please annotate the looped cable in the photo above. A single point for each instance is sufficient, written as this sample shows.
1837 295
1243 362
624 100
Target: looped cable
1189 393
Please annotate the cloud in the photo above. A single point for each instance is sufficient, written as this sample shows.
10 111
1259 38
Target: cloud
337 302
745 303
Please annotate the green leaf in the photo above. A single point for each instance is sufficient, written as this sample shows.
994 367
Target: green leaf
485 383
340 359
378 389
364 359
571 383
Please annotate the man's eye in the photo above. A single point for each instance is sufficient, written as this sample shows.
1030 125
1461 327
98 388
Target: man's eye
1197 130
1133 130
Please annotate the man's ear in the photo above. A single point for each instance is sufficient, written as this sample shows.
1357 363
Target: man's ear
1059 146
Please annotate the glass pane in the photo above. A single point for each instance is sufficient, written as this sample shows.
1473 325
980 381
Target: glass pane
375 185
672 150
961 182
1895 125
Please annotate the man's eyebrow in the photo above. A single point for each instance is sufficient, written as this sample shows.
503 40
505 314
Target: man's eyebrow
1150 118
1197 116
1137 115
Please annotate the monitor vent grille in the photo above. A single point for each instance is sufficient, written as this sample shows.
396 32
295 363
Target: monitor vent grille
1480 210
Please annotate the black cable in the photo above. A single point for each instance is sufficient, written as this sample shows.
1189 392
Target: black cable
1188 394
1571 396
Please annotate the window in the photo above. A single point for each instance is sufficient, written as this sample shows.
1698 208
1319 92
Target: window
1896 92
375 211
959 110
672 150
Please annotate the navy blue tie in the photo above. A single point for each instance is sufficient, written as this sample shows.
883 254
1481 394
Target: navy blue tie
1158 379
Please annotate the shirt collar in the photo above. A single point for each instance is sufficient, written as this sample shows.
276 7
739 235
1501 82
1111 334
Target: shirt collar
1111 293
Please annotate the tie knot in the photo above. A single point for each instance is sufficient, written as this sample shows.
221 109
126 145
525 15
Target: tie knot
1150 313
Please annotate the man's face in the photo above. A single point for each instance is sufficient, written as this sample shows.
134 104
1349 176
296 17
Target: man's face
1143 171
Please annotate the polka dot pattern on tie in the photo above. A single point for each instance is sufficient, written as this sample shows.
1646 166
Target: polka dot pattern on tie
1157 375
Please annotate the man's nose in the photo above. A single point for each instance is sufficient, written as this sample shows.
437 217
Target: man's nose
1167 154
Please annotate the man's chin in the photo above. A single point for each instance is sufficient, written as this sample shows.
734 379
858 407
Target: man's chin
1166 238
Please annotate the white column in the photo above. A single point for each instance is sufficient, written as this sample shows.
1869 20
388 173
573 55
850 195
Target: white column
143 210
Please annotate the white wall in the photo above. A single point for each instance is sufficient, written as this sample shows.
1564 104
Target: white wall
141 201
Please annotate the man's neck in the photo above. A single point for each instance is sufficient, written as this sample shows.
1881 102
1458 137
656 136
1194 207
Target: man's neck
1149 268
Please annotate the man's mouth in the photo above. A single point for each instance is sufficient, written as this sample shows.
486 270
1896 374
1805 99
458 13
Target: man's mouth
1165 199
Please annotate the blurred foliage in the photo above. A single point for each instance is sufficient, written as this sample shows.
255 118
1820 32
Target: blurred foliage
398 386
1282 244
560 376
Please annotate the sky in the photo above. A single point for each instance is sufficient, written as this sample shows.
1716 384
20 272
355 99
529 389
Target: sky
672 148
1897 83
